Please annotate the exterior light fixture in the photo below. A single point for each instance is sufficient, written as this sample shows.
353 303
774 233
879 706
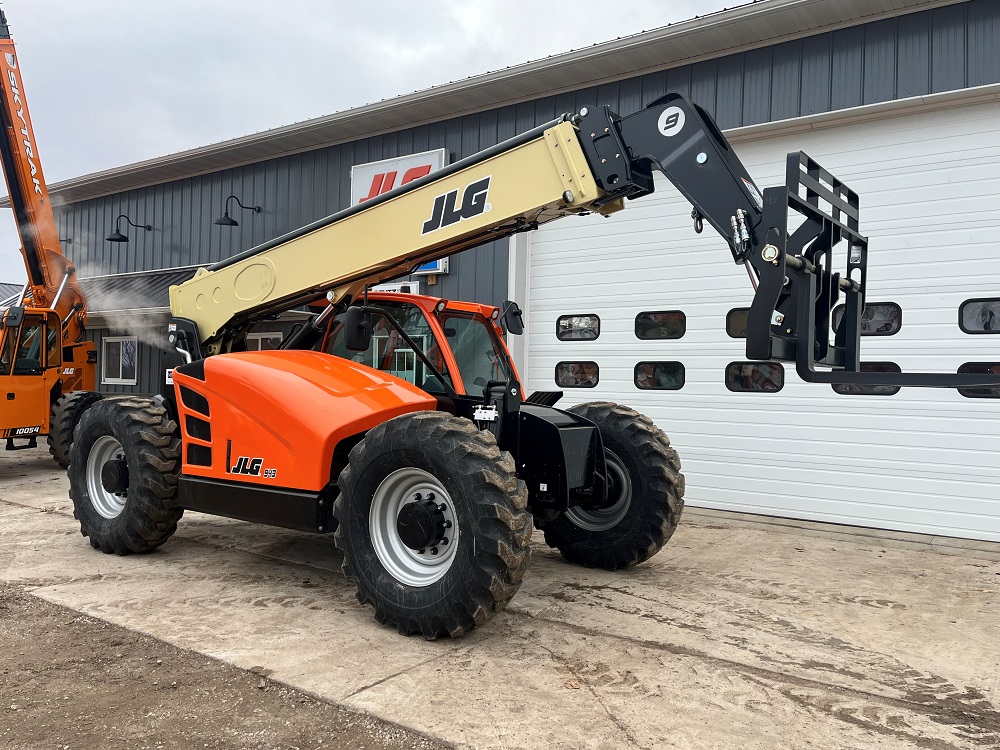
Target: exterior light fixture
117 236
226 220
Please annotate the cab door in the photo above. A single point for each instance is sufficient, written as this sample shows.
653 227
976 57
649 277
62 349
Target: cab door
24 385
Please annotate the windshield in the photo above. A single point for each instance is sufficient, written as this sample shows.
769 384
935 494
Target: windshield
27 354
390 352
477 351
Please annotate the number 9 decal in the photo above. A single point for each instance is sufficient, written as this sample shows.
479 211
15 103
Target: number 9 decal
671 121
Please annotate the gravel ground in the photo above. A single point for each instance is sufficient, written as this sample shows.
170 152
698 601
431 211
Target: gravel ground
70 682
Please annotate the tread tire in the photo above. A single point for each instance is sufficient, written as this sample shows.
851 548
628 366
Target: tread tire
66 413
657 493
152 447
491 510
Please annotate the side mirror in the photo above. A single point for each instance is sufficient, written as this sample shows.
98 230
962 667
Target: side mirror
358 329
513 318
14 317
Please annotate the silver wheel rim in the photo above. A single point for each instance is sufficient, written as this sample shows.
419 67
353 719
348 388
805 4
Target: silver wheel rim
606 518
108 504
408 566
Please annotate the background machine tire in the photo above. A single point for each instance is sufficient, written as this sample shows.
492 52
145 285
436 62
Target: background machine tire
124 462
66 412
645 473
477 501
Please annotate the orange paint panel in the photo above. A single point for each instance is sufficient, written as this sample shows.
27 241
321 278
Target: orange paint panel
285 412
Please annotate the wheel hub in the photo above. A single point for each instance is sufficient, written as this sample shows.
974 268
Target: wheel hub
114 476
421 524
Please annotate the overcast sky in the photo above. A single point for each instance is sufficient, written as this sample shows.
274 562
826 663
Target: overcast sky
110 82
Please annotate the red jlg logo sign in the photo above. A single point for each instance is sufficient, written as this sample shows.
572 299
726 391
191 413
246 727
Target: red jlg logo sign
383 182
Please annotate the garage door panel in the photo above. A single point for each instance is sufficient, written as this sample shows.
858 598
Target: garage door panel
920 460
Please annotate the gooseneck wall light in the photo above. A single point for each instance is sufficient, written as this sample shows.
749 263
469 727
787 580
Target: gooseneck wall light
226 220
117 236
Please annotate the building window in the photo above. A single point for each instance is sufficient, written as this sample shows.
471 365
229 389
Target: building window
878 318
736 322
120 362
856 389
577 374
578 327
979 316
981 368
262 342
660 325
659 376
768 377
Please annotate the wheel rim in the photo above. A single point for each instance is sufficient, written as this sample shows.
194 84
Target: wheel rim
108 504
602 519
408 566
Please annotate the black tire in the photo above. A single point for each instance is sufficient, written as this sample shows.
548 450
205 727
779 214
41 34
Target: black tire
150 443
638 529
66 413
492 523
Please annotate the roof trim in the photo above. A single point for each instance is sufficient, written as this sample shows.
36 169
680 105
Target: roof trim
724 32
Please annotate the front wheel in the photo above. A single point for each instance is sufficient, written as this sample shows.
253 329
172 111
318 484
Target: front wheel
123 470
645 488
433 524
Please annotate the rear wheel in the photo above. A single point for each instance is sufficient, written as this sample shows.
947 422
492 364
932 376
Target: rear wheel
433 524
644 484
123 470
66 414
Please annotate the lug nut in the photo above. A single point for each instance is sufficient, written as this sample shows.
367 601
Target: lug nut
442 507
447 524
434 550
444 540
420 551
418 496
430 495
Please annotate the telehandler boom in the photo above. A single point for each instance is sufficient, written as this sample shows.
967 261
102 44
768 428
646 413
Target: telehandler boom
398 422
47 367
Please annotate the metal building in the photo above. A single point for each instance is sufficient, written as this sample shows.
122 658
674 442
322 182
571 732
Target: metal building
900 98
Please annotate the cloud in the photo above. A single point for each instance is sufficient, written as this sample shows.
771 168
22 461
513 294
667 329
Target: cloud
110 82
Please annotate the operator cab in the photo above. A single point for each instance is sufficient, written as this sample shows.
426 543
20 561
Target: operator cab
454 349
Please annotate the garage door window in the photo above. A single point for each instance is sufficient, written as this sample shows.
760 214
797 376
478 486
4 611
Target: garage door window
981 368
659 376
670 324
854 389
766 377
118 366
736 322
577 374
578 327
980 316
878 318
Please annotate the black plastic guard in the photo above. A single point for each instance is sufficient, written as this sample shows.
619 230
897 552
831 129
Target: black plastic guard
560 456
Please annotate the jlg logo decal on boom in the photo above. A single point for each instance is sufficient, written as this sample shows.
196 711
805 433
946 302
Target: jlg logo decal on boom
474 203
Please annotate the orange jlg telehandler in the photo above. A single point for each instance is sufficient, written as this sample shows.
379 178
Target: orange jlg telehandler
398 423
47 367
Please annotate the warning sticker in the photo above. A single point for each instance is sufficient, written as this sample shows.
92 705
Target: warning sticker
754 193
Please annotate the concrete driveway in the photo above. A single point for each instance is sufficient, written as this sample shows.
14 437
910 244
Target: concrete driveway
733 636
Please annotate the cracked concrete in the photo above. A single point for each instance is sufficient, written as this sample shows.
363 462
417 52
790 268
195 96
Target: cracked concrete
734 636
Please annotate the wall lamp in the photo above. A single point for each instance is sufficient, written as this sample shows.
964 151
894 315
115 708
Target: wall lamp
117 236
225 220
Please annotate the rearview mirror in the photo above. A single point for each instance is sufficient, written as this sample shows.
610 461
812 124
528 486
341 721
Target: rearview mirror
13 317
512 318
358 329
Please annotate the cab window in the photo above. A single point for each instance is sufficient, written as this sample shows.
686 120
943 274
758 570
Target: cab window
477 351
390 352
26 354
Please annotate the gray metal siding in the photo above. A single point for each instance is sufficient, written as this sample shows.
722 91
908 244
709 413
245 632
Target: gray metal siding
917 53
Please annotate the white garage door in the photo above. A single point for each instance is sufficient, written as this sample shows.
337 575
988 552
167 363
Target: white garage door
922 460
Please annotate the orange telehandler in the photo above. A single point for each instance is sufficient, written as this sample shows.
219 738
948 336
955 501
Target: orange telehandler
398 422
47 367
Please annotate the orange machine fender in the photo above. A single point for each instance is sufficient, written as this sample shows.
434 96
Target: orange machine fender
274 418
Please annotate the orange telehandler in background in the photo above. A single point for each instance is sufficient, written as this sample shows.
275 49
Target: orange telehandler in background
47 367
